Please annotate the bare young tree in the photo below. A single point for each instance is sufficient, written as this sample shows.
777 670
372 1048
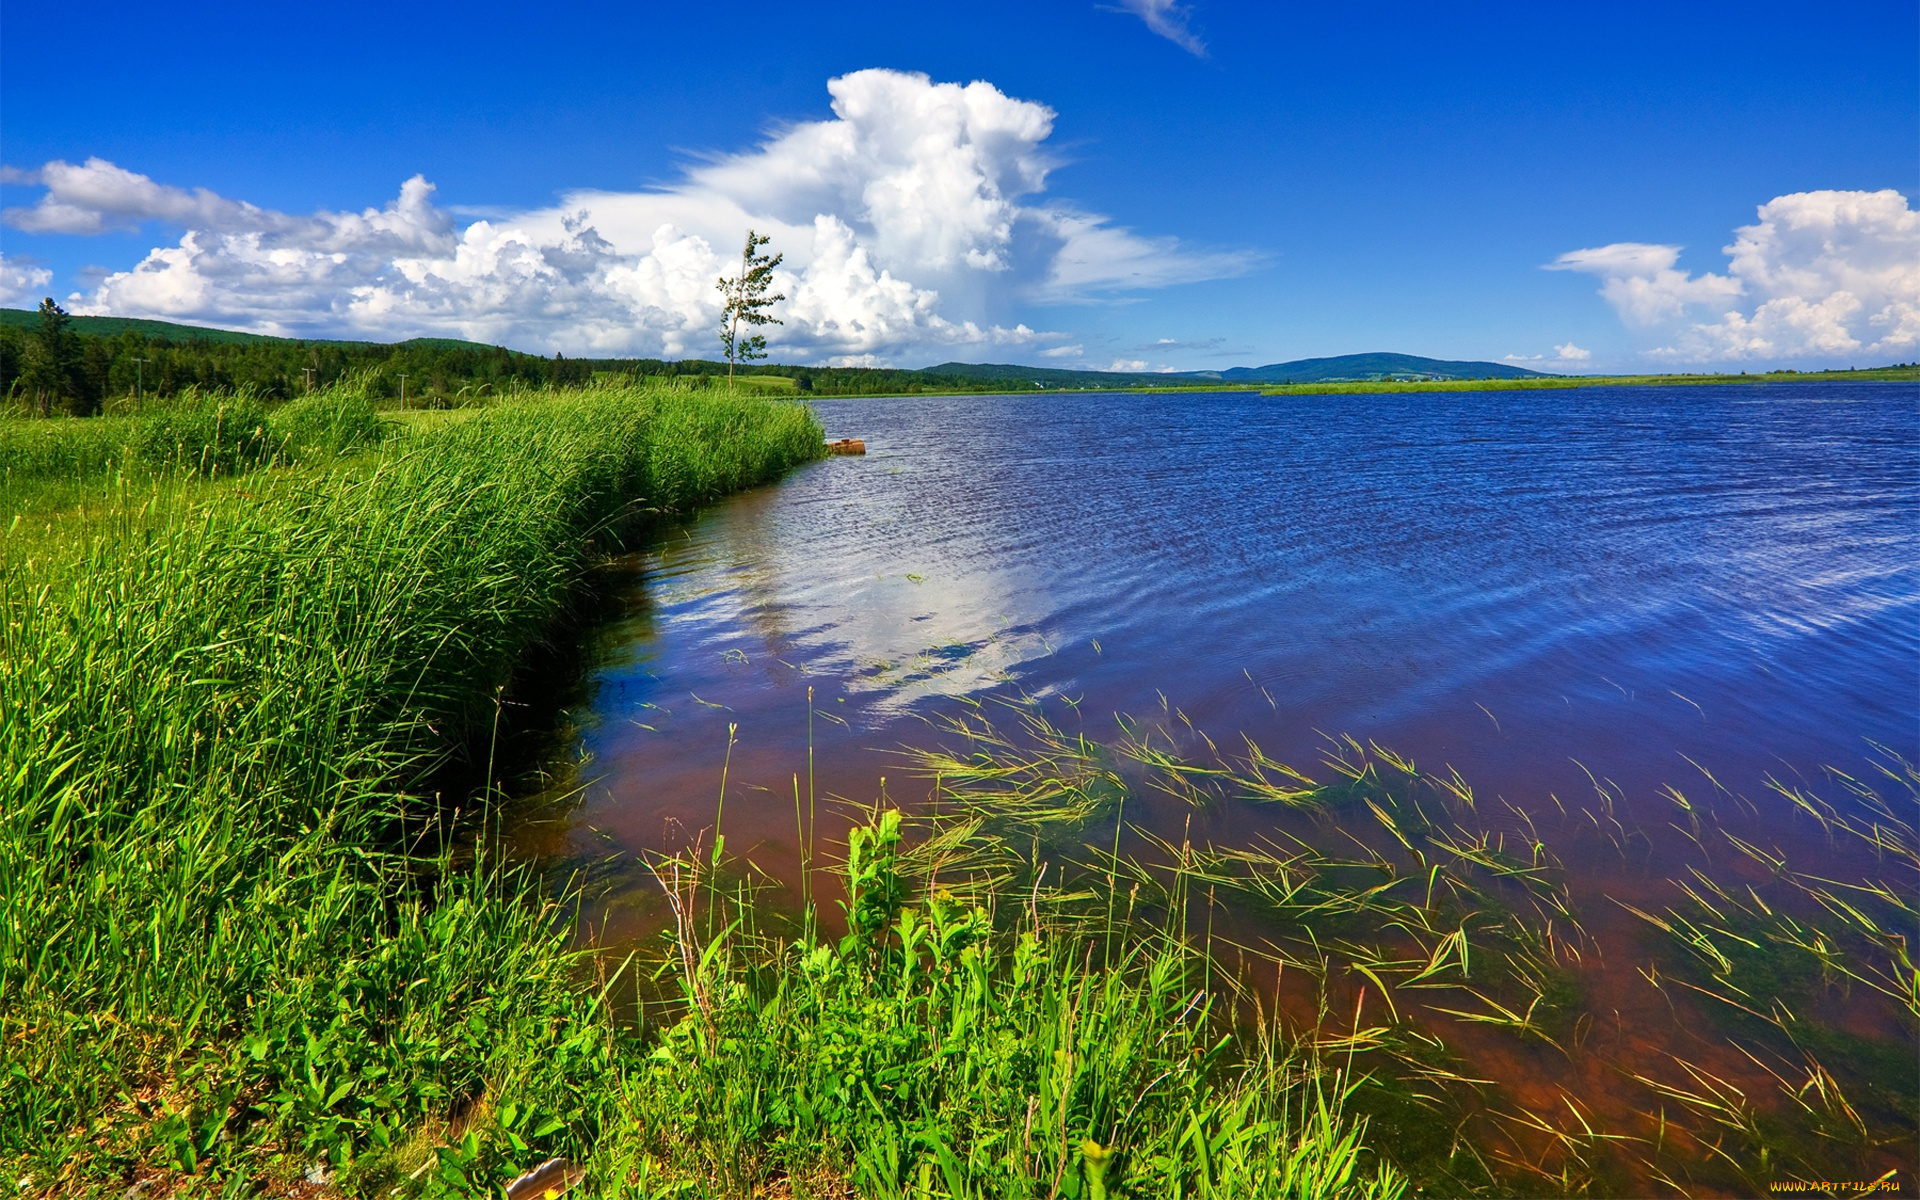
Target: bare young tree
747 302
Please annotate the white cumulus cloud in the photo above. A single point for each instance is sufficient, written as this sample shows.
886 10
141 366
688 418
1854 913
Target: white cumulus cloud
1568 355
909 220
97 196
1819 275
1643 281
22 285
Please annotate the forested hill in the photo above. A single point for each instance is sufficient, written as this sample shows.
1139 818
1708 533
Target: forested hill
1066 377
1344 368
98 358
1370 367
91 360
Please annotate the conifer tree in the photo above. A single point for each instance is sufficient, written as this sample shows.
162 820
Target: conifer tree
51 358
746 304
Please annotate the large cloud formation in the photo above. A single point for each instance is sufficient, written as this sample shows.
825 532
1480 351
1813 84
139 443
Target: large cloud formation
908 222
1820 275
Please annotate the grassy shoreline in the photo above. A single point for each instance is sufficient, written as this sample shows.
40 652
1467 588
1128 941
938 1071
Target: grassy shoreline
1875 375
226 706
251 944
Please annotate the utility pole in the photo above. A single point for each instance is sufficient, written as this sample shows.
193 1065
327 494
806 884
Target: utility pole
403 393
140 377
308 372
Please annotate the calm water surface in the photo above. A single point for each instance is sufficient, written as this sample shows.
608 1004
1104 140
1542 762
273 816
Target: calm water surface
1526 586
1698 587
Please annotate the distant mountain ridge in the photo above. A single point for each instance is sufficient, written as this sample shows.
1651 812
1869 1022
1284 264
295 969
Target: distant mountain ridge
26 318
1339 368
1056 376
1375 366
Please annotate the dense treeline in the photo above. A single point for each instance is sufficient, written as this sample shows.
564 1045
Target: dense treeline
50 364
52 367
823 381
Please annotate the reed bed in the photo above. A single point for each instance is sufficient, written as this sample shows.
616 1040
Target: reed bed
63 463
231 934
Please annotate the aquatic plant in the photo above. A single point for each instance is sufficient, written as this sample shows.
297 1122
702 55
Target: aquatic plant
1385 892
956 1049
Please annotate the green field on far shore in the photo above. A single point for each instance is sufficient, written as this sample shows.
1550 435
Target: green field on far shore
1897 374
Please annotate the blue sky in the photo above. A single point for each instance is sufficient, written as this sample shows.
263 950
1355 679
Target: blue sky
1171 185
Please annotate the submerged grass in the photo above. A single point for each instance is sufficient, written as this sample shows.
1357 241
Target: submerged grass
1430 938
942 1048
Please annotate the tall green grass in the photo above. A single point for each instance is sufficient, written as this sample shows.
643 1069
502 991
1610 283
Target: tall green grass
941 1048
66 462
223 717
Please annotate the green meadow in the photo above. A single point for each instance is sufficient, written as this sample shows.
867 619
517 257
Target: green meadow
255 939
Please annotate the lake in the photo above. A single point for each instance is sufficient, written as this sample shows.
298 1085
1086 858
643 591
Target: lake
1571 598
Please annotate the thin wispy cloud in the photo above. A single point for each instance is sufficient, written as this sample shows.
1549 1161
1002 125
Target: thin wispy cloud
1166 344
1170 19
913 221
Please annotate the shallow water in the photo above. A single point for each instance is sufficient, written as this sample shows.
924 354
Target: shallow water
1699 587
1509 582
